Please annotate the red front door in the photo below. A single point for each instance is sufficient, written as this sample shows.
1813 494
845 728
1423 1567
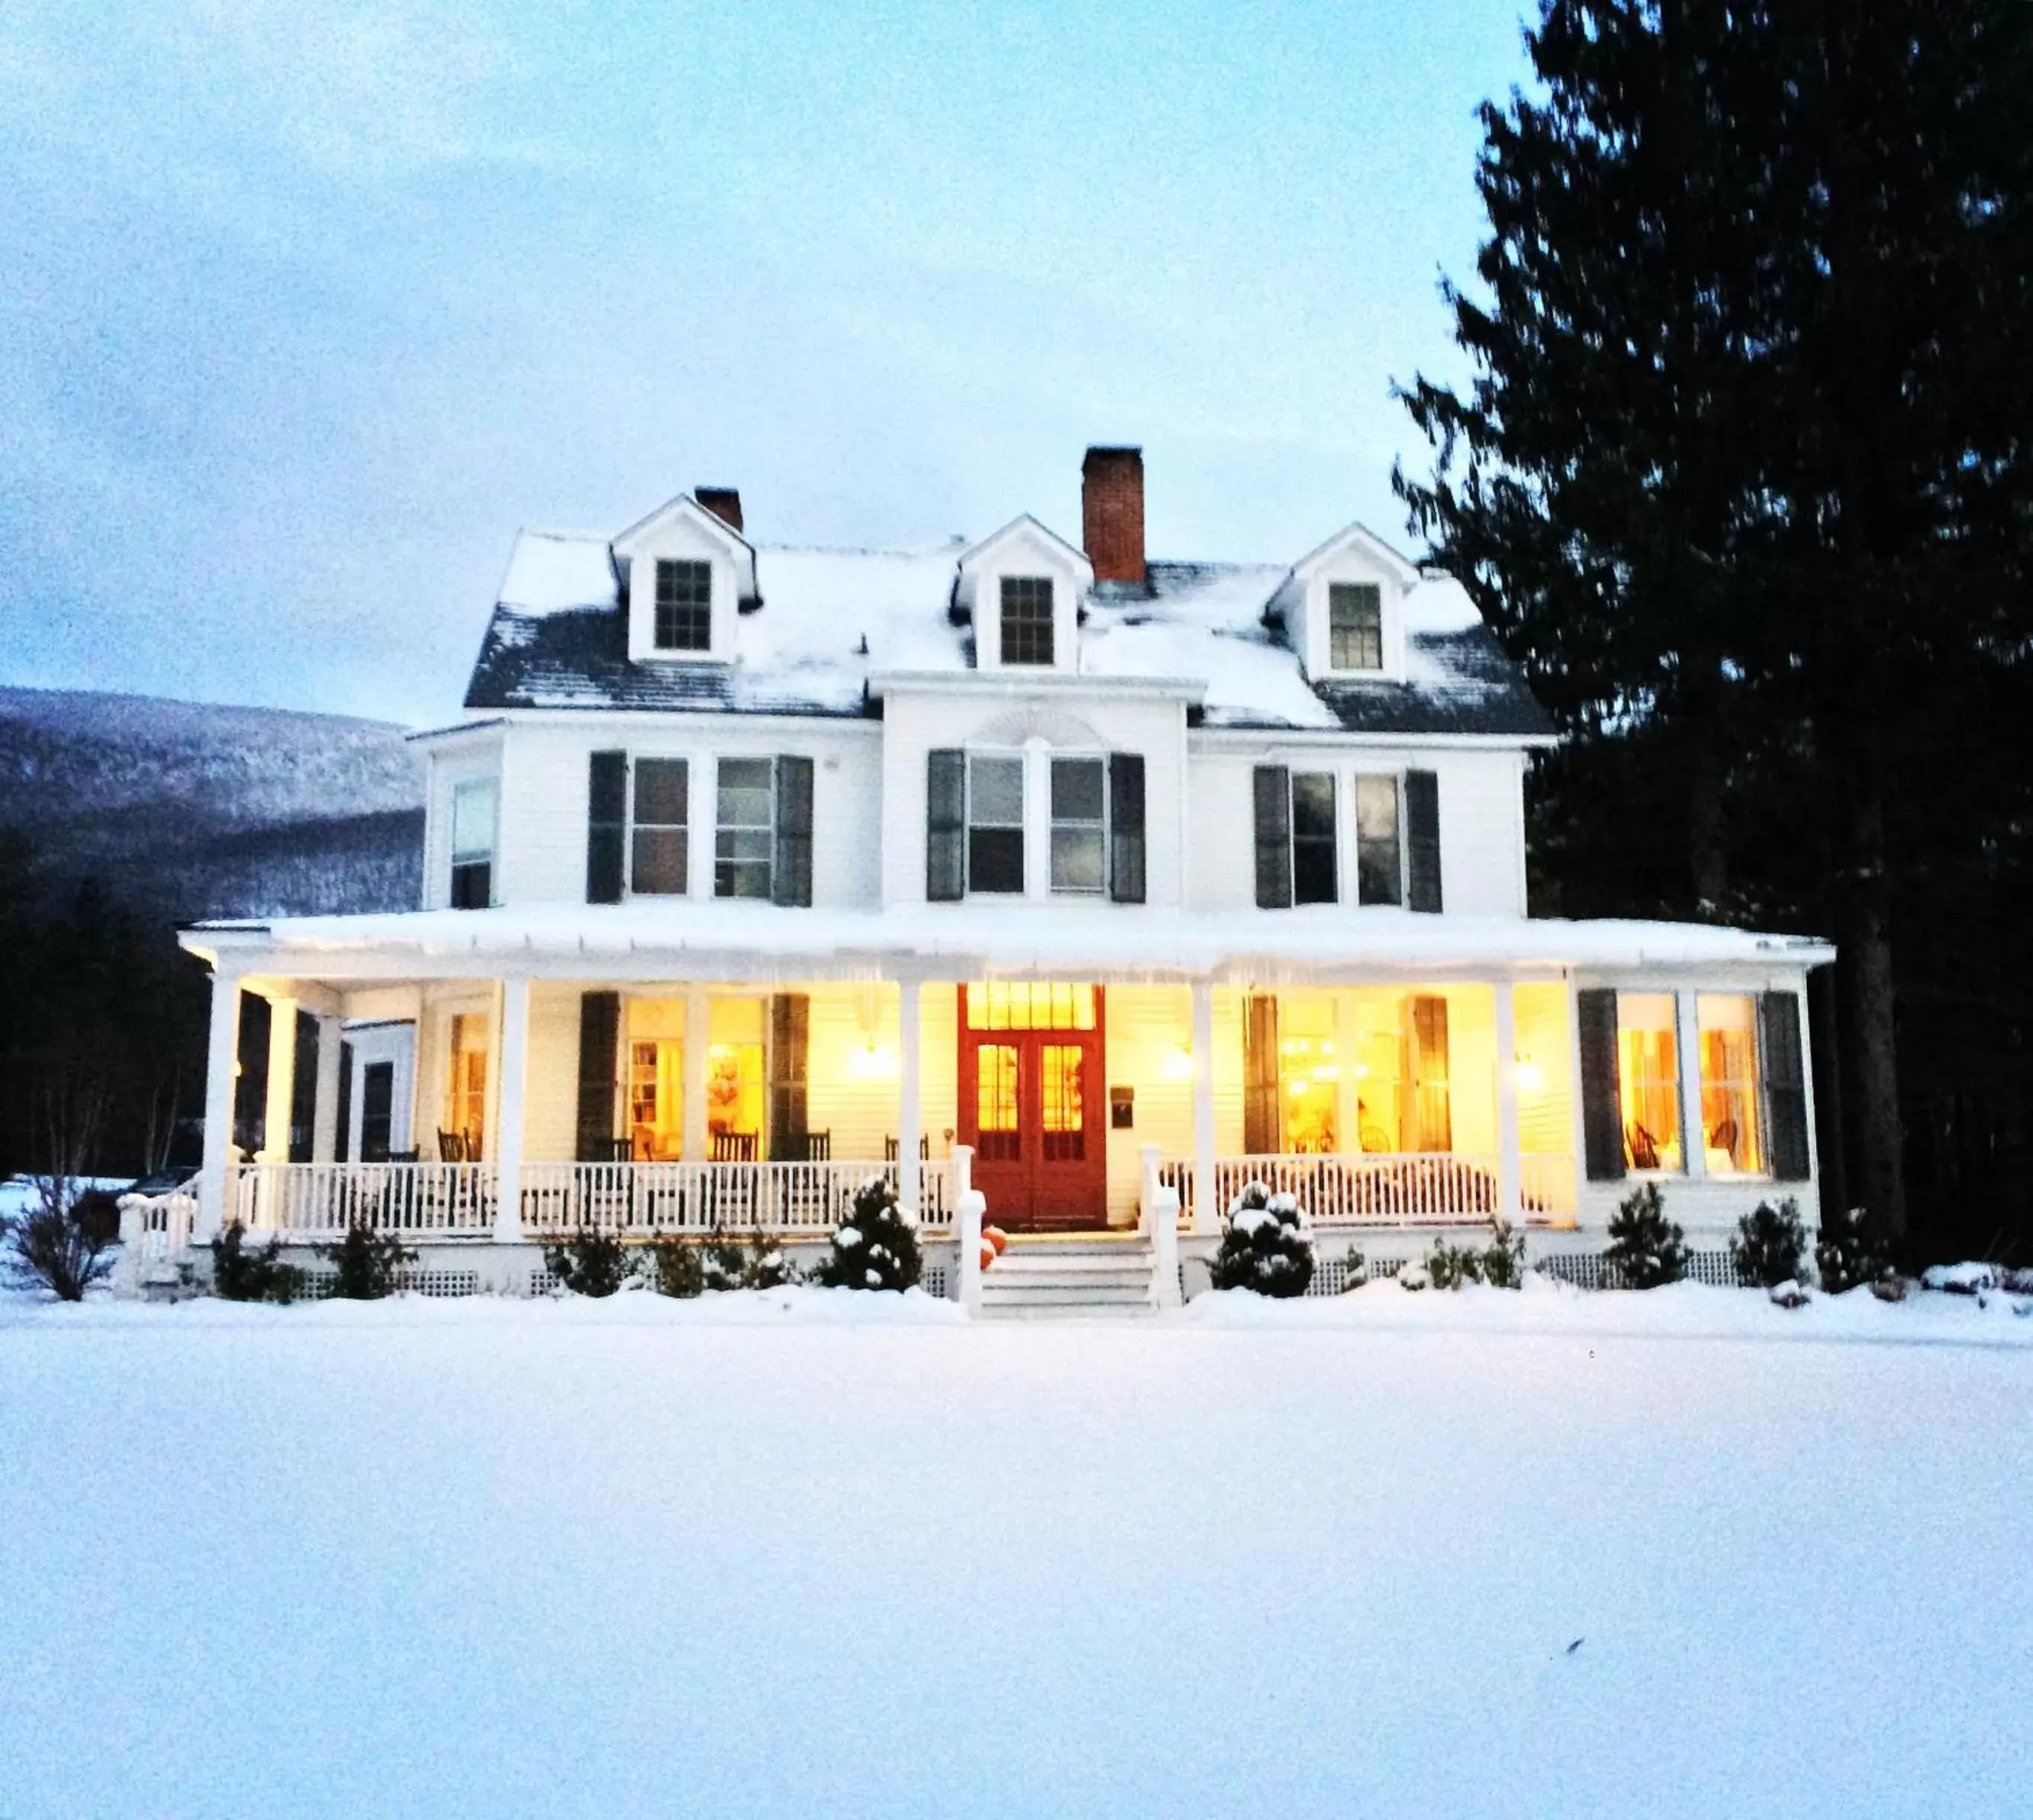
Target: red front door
1033 1103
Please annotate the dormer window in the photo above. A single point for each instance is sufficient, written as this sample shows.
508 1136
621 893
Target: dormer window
684 605
1355 626
1026 619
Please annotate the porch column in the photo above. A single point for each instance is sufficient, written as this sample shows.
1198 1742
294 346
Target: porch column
324 1118
1509 1164
222 1064
508 1142
699 1028
282 1078
910 1109
1206 1217
1694 1133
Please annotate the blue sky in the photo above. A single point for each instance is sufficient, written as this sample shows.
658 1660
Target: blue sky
309 305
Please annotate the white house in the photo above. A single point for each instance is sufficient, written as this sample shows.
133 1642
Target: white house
752 870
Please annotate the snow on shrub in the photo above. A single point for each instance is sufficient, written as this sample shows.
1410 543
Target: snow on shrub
677 1269
1500 1263
240 1275
1768 1245
874 1247
1646 1249
590 1262
364 1263
1265 1246
1850 1252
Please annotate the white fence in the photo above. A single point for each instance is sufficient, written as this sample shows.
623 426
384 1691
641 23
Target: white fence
1389 1189
650 1197
446 1200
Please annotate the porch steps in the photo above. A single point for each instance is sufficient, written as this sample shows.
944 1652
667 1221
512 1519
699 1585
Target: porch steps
1051 1278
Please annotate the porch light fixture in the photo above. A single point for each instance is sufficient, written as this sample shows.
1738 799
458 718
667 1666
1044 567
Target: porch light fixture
871 1061
1177 1063
1527 1076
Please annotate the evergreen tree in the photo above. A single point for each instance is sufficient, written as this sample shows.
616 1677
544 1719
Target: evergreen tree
1743 476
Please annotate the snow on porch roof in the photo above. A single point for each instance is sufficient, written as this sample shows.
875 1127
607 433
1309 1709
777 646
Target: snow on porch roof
831 619
719 940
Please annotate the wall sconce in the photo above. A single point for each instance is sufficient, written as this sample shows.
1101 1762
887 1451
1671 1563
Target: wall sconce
871 1061
1177 1063
1527 1076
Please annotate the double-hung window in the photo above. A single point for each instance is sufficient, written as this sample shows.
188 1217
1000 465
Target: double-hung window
745 828
472 808
1379 853
994 824
1731 1134
1313 837
1026 619
1079 826
1355 626
657 856
684 605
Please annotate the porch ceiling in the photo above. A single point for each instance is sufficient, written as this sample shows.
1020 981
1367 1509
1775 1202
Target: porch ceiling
750 941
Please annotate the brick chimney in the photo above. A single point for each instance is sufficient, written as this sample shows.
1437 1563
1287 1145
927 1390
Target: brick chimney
1112 513
724 502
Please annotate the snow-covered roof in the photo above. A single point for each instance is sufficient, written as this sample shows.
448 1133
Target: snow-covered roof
749 940
831 620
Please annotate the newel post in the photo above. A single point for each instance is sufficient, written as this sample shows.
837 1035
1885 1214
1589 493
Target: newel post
1161 1223
969 1209
510 1114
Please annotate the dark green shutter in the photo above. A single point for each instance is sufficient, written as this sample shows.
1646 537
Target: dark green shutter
1274 837
1602 1122
790 1044
1785 1084
1422 817
1432 1081
599 1033
791 878
945 825
1262 1129
606 825
1125 827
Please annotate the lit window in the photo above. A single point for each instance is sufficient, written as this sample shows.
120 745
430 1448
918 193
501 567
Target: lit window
1355 626
466 1084
1063 1106
1648 1072
1730 1133
1026 619
1308 1074
684 605
1030 1005
656 1100
656 849
1313 837
994 825
473 845
744 836
1079 825
995 1103
1378 864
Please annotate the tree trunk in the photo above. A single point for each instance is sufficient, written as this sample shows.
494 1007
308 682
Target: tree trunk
1708 852
1876 1143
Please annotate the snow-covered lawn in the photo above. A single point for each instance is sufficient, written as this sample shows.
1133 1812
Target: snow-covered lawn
1676 1554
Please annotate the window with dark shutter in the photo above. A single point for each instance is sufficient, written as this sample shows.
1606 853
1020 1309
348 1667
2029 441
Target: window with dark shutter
1432 1091
994 824
1602 1120
792 884
790 1047
1422 845
1263 1127
1274 837
744 828
1785 1084
1125 827
1379 865
945 825
1314 876
656 855
599 1033
607 825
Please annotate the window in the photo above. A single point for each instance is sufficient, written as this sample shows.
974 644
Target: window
1026 619
1649 1079
1079 825
745 834
1731 1136
656 1100
473 844
684 605
466 1085
1355 626
1029 1005
998 1139
735 1083
994 825
1379 866
1063 1101
657 847
1308 1074
1312 837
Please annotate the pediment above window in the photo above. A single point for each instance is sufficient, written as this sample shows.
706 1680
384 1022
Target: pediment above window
1343 608
1022 587
686 575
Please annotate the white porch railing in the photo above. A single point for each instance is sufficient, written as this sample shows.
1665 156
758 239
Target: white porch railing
155 1239
645 1198
449 1200
1388 1188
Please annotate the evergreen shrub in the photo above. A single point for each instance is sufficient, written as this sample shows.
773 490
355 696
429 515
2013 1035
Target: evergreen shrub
1264 1245
874 1247
1851 1253
723 1263
1646 1249
239 1274
590 1262
365 1262
676 1268
1769 1245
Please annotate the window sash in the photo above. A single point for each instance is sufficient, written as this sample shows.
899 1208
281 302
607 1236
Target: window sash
1649 1064
1079 827
1380 861
684 604
472 819
657 856
995 826
1026 619
744 831
1313 843
1355 626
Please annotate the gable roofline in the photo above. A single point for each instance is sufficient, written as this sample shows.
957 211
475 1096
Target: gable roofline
1022 521
1404 571
682 505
